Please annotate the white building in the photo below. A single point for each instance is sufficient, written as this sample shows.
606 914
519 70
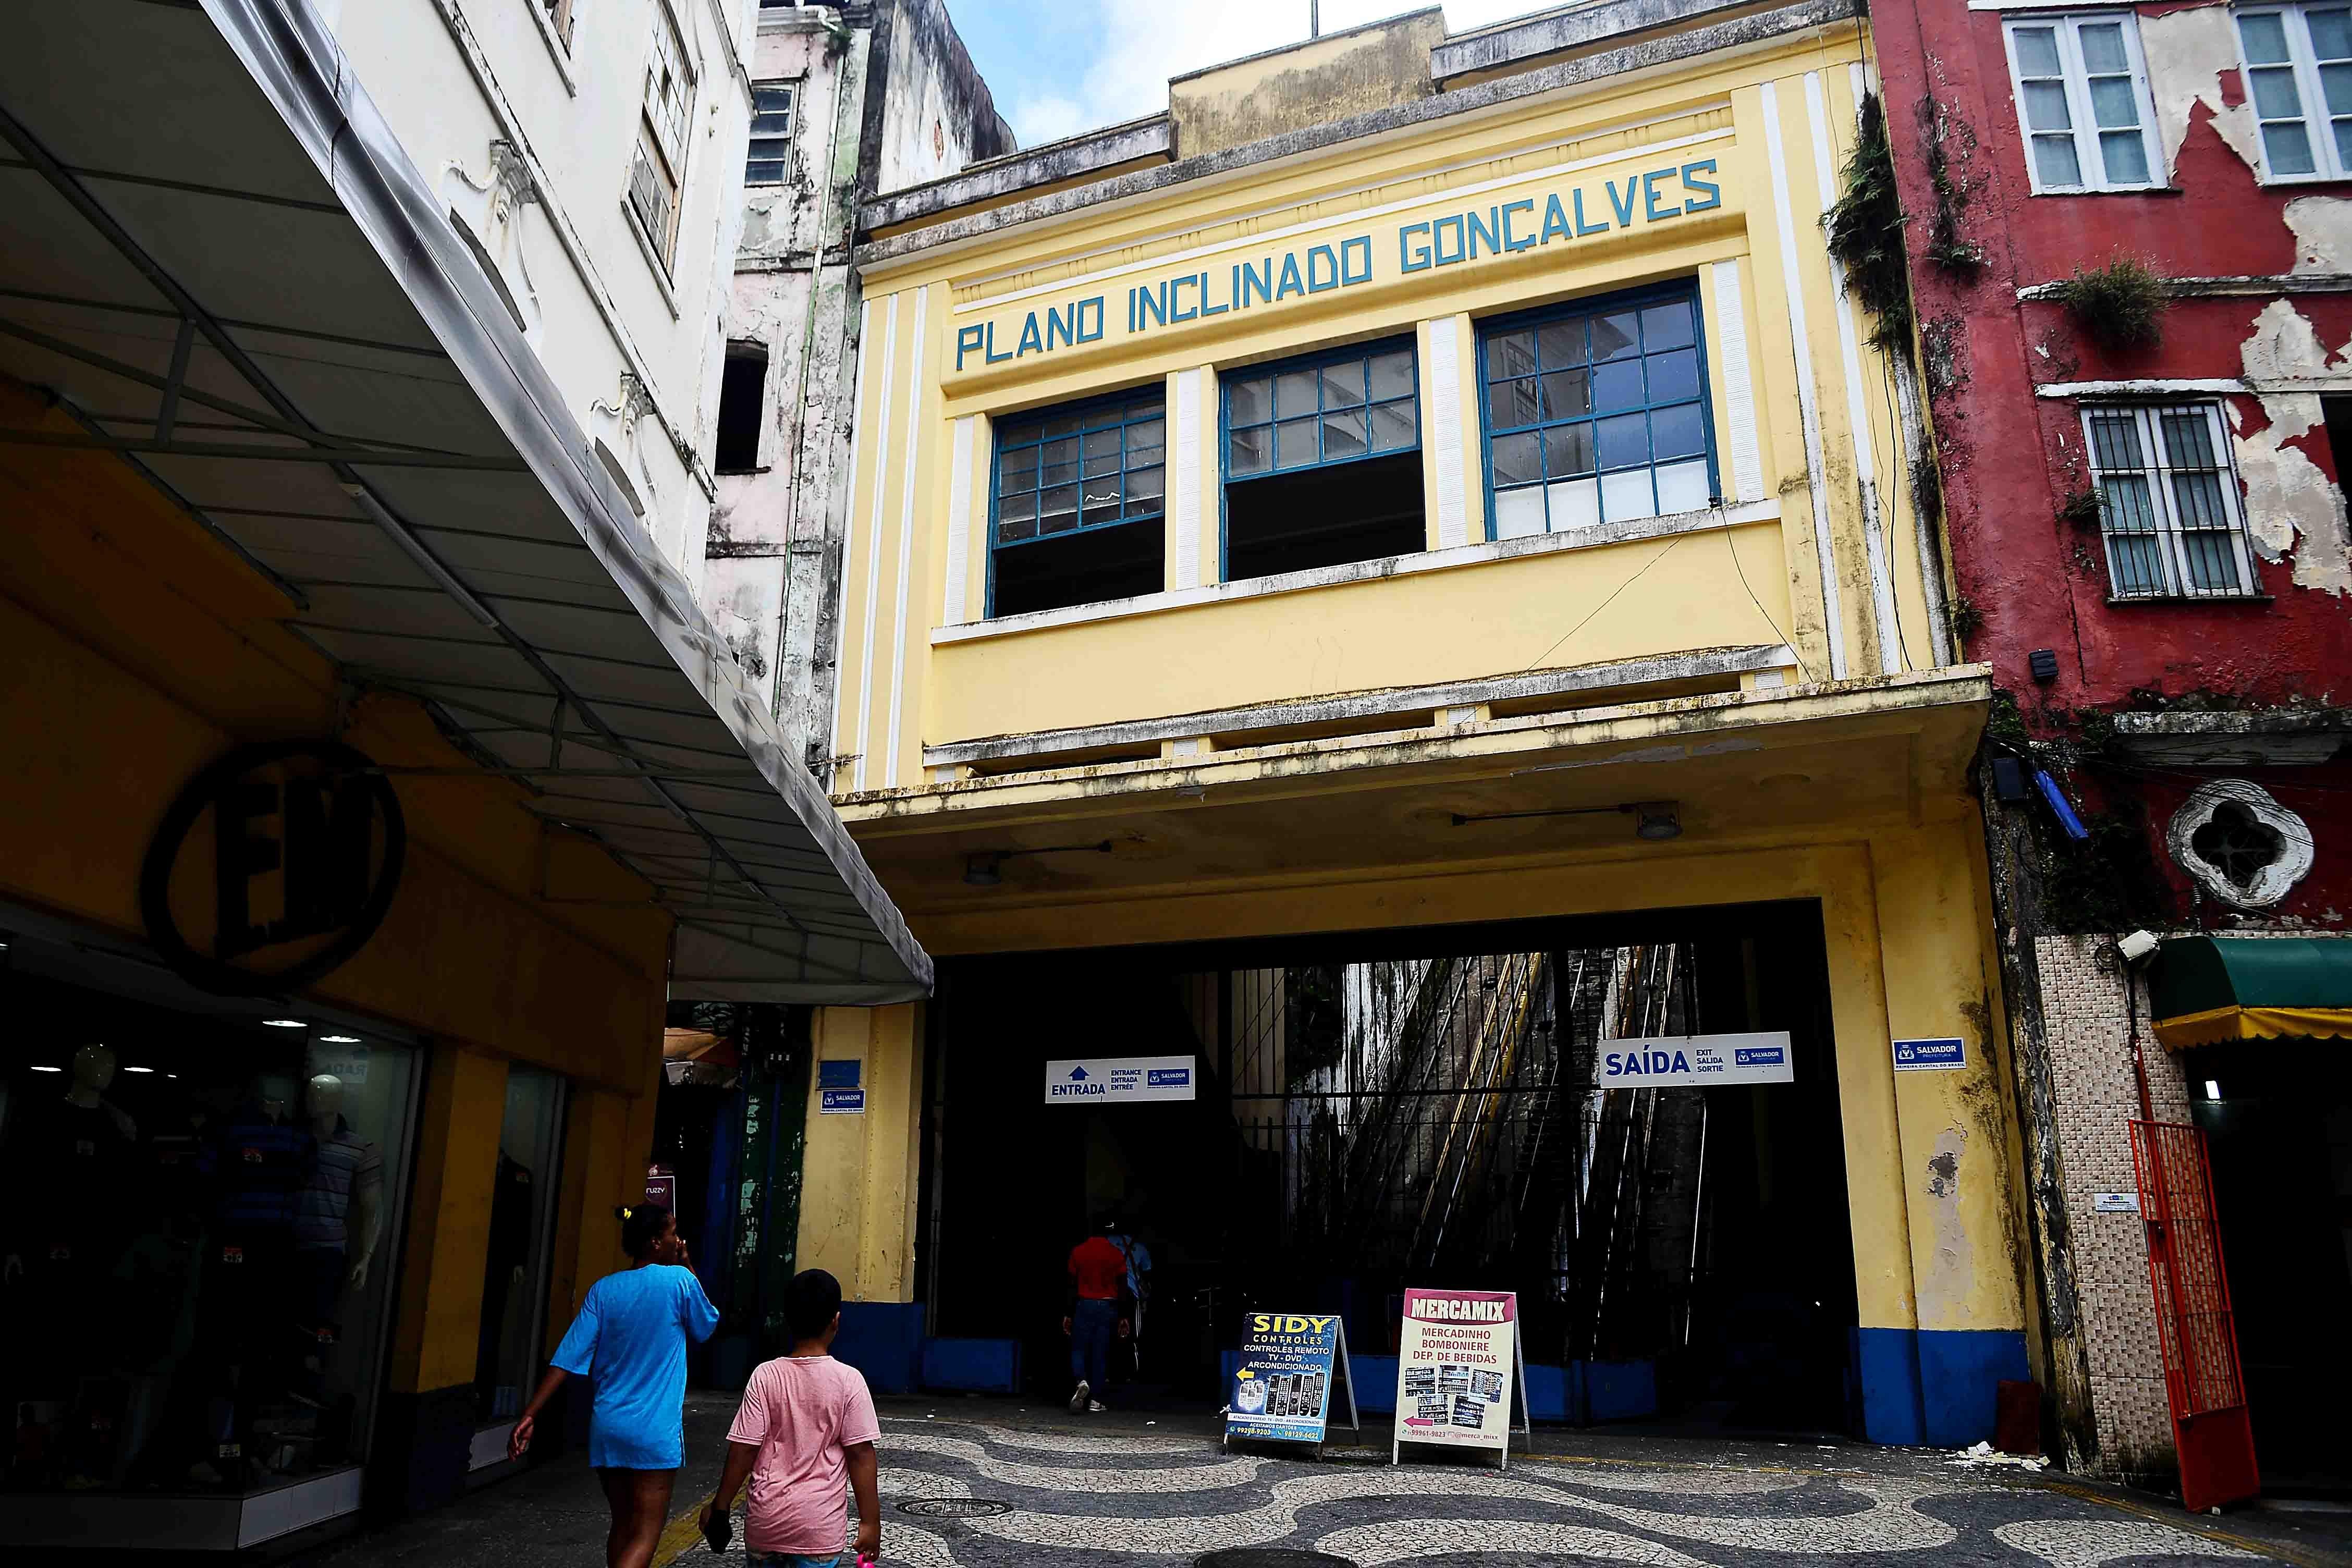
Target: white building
851 100
591 151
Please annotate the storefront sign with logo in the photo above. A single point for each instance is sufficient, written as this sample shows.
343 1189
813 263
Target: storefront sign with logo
1282 1388
1119 1080
276 864
1946 1055
1458 1370
1695 1061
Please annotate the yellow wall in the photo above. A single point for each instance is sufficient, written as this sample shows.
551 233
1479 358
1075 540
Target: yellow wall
135 650
1777 123
860 1174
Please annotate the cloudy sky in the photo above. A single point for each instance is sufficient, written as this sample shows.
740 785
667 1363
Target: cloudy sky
1058 67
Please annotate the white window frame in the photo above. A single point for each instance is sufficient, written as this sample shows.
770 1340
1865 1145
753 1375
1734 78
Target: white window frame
2088 155
2308 89
2164 501
660 148
791 86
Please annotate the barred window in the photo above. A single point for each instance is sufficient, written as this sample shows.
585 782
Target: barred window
2169 505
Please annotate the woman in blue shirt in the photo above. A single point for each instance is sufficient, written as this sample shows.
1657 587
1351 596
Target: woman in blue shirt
630 1336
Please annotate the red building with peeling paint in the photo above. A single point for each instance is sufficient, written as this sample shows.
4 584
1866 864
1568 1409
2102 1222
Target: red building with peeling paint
2128 237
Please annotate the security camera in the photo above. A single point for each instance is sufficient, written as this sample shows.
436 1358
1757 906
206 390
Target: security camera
2137 946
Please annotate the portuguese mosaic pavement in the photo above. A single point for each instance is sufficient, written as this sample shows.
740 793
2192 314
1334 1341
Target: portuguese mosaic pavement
1085 1500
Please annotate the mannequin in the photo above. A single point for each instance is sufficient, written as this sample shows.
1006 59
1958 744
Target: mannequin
343 1206
82 1154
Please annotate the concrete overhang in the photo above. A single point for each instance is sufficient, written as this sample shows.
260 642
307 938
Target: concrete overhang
2279 738
1771 767
1554 35
220 259
951 230
1034 170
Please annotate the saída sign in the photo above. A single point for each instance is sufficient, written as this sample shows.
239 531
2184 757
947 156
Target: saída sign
276 864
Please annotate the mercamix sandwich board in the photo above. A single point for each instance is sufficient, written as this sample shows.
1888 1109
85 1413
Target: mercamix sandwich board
1458 1369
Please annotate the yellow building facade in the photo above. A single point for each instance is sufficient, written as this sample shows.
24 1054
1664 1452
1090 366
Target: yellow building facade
1418 485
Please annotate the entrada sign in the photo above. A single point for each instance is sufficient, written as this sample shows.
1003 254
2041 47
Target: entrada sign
1100 1080
1501 227
305 844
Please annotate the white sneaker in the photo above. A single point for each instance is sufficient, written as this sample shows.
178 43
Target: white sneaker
1079 1400
1096 1408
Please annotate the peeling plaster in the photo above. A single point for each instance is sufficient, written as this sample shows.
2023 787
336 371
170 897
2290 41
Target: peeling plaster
2323 233
2292 507
2187 53
1949 1269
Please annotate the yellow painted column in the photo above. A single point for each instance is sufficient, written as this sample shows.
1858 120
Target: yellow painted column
1958 1154
428 1418
860 1174
859 1177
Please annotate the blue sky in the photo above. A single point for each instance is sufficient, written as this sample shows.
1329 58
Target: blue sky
1059 67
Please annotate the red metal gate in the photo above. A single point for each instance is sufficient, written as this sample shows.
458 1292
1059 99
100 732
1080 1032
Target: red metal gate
2193 1321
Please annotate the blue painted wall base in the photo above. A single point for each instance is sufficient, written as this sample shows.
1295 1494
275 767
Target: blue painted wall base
1934 1385
972 1366
884 1339
1612 1391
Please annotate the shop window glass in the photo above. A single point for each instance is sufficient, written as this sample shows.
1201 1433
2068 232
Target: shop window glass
199 1259
522 1224
1596 413
1322 460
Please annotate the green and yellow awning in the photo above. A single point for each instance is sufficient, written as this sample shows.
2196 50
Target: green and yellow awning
2205 990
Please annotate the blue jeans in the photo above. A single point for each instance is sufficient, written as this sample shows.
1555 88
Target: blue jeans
787 1559
1091 1327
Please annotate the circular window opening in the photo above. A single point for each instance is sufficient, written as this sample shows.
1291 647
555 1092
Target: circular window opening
954 1507
2240 845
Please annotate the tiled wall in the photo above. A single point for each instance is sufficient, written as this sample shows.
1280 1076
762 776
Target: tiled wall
2085 1014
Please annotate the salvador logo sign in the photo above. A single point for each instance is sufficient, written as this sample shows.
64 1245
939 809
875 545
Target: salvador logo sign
275 865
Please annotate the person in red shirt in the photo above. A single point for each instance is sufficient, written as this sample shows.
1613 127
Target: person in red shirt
1098 1286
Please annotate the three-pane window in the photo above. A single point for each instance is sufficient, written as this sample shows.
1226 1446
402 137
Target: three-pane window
2082 92
772 135
1596 413
2168 501
1322 464
2298 62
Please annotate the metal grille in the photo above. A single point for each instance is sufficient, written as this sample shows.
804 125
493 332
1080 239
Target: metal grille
2194 1321
2168 501
1427 1119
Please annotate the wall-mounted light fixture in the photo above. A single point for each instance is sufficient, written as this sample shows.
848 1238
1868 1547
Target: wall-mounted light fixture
985 868
1658 818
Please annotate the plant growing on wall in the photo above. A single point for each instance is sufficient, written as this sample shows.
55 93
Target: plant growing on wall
2080 508
1865 232
1947 247
2119 306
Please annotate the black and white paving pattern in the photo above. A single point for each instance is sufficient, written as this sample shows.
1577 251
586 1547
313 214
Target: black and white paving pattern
1084 1501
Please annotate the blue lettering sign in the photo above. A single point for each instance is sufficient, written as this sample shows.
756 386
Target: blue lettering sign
967 339
1258 281
1410 257
1059 326
1714 191
1175 286
1322 279
1622 205
1356 260
1509 242
1491 231
990 352
1207 309
1030 338
1650 208
1437 241
1582 228
1290 284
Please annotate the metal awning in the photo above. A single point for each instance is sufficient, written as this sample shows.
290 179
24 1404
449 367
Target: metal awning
2204 990
219 259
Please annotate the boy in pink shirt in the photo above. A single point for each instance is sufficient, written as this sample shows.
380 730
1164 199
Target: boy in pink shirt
806 1425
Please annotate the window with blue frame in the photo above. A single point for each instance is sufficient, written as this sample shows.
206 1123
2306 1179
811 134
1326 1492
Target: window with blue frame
1596 412
1322 460
1078 497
